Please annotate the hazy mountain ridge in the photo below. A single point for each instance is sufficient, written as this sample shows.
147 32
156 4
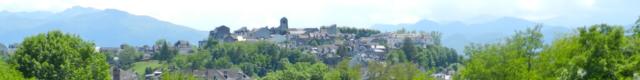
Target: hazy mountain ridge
108 27
457 34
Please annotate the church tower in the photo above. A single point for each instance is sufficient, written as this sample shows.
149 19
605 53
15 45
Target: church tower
284 26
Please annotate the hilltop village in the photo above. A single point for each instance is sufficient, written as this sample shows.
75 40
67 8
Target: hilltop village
329 44
323 42
328 53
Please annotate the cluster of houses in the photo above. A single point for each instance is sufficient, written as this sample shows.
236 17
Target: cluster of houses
322 42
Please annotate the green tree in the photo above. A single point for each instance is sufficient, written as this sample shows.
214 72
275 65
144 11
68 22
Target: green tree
396 56
509 60
437 56
127 57
409 48
430 56
166 53
332 75
210 43
436 38
222 63
636 28
299 71
263 56
403 71
344 71
8 72
604 43
60 56
596 52
347 71
148 70
358 32
400 71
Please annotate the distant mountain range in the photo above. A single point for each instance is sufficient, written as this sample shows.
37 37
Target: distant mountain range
457 34
108 27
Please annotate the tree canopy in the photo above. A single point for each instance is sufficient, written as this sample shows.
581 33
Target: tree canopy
596 52
7 72
59 56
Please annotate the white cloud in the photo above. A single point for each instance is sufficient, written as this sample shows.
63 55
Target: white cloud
530 5
589 3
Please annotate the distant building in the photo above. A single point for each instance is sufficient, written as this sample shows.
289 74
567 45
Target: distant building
147 50
221 74
332 30
395 40
278 38
4 50
310 30
378 48
119 74
241 38
182 44
156 75
222 33
261 33
12 48
294 31
241 31
183 47
111 50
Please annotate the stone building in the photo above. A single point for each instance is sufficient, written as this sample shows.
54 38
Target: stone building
241 31
222 33
261 33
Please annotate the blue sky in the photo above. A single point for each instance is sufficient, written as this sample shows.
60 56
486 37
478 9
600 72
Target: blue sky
207 14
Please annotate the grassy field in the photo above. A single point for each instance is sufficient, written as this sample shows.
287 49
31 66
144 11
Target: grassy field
139 67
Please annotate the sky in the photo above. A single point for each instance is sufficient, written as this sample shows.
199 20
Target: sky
208 14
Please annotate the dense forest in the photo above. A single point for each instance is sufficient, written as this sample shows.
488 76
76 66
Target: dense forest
599 51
